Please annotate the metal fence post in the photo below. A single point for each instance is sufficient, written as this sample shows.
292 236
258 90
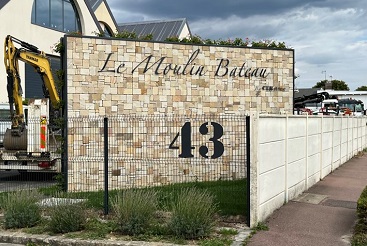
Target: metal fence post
248 161
105 133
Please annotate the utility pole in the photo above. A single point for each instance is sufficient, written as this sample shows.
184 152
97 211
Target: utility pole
324 73
329 84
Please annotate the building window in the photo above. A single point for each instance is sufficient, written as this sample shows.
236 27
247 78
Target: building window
59 15
106 29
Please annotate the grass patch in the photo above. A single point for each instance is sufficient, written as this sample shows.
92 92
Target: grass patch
228 232
230 196
216 242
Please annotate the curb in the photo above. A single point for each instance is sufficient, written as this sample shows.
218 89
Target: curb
23 238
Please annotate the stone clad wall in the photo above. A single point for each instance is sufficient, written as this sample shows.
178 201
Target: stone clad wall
108 77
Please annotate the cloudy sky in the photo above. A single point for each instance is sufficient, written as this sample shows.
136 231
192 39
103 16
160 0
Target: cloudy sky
329 36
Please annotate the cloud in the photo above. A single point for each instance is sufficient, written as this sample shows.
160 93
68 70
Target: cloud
326 35
203 9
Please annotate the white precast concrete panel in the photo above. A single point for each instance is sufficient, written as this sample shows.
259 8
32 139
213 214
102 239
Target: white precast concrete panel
296 127
296 172
327 140
268 207
327 125
356 138
314 164
272 129
271 184
337 133
313 125
301 173
296 149
326 158
314 144
350 137
269 153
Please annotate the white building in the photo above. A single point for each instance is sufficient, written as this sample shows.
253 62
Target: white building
42 23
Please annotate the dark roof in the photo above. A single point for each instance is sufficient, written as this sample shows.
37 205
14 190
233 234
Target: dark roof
3 3
161 30
305 92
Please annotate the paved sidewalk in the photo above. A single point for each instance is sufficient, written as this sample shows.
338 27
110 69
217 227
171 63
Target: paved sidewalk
324 215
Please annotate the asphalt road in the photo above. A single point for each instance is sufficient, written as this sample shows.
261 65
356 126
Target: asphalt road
13 180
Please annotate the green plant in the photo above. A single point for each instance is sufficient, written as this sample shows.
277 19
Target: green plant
174 39
100 228
193 214
359 239
216 242
60 181
266 43
134 209
147 37
40 228
67 217
229 42
360 230
58 47
126 35
94 229
261 226
228 232
21 209
224 238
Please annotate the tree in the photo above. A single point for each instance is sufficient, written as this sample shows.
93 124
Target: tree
362 88
338 85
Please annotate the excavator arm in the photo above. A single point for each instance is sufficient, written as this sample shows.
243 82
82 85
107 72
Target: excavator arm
31 55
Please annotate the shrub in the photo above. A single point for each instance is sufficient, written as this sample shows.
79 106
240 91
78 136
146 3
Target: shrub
134 209
21 209
193 214
67 217
360 229
362 206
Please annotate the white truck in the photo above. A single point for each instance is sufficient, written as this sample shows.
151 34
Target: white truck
30 141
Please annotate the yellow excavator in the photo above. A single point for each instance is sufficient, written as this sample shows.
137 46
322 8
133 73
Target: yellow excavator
28 147
16 137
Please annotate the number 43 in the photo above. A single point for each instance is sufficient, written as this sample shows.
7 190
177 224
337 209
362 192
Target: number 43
186 147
